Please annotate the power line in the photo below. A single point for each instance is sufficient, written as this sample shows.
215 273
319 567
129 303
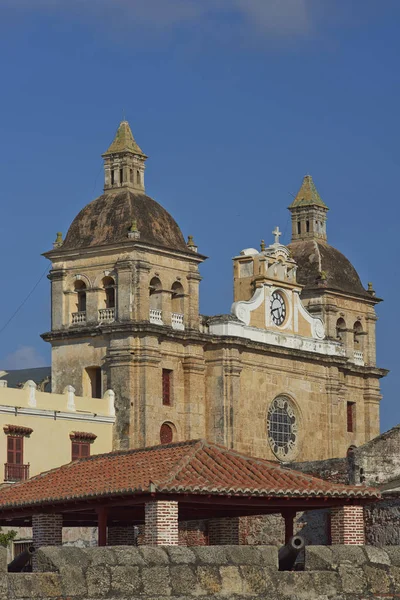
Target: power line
26 299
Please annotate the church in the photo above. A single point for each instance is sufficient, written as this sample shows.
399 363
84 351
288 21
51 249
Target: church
288 374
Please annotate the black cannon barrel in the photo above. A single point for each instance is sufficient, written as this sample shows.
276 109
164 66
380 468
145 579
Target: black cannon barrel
21 560
287 554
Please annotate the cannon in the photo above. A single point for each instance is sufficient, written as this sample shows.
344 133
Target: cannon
20 562
287 554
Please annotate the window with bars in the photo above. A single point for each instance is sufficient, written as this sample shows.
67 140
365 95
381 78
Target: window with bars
351 410
166 387
166 434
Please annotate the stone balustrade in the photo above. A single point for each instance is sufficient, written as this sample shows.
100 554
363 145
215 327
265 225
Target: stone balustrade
156 316
106 315
358 357
177 321
79 318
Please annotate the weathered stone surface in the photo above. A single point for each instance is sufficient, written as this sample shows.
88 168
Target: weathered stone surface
252 557
256 580
378 580
153 556
319 558
183 579
155 580
377 555
394 554
180 555
98 581
353 579
211 555
231 580
102 556
34 585
209 579
73 581
125 580
353 554
128 555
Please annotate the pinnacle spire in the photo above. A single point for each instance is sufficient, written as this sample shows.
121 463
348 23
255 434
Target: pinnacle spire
124 141
308 213
308 195
124 162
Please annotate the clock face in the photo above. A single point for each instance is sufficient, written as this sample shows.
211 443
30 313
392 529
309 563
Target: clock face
278 308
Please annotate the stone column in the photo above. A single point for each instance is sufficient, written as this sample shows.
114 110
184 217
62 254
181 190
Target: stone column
121 379
46 531
161 523
370 339
191 317
124 290
347 525
194 394
58 316
92 305
141 305
224 532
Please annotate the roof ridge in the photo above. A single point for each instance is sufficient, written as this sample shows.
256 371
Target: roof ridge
183 462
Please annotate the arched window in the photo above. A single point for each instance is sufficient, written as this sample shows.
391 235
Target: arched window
357 333
166 433
155 294
308 226
340 329
138 180
177 298
131 175
298 227
92 384
80 289
109 292
121 175
112 177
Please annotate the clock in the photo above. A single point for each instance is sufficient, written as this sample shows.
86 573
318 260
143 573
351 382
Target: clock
278 308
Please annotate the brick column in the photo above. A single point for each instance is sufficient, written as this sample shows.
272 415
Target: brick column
121 536
161 523
46 531
224 532
347 525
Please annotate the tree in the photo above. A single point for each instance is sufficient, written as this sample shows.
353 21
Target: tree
6 538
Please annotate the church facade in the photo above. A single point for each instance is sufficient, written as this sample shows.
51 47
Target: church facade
289 374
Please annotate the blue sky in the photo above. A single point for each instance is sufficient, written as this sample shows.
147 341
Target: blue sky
233 101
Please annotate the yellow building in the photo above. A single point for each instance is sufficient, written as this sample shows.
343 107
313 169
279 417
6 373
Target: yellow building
41 430
288 374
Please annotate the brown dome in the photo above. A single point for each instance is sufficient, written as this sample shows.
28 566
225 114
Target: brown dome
316 256
107 220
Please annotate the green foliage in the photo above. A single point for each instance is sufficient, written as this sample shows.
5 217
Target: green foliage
6 538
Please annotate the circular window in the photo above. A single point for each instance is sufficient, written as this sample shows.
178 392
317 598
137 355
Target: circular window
282 428
166 434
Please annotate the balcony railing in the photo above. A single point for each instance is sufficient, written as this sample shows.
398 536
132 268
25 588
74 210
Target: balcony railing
177 321
358 357
106 315
16 472
79 318
156 316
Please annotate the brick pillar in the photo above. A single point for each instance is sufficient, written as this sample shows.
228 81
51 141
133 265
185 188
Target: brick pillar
224 532
46 531
122 536
161 523
347 525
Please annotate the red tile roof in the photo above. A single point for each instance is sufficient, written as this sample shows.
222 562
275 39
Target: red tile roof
195 467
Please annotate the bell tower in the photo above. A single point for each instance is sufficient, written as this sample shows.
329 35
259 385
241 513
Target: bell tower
124 162
308 213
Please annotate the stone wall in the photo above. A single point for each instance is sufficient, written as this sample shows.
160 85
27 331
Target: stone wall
340 573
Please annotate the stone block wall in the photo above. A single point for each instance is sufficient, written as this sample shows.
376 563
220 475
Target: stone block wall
127 573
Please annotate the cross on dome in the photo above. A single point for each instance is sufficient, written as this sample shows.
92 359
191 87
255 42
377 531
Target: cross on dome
277 234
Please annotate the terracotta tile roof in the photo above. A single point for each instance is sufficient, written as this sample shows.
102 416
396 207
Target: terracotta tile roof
196 467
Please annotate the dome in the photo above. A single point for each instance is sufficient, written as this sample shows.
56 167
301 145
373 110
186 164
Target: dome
316 256
107 220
